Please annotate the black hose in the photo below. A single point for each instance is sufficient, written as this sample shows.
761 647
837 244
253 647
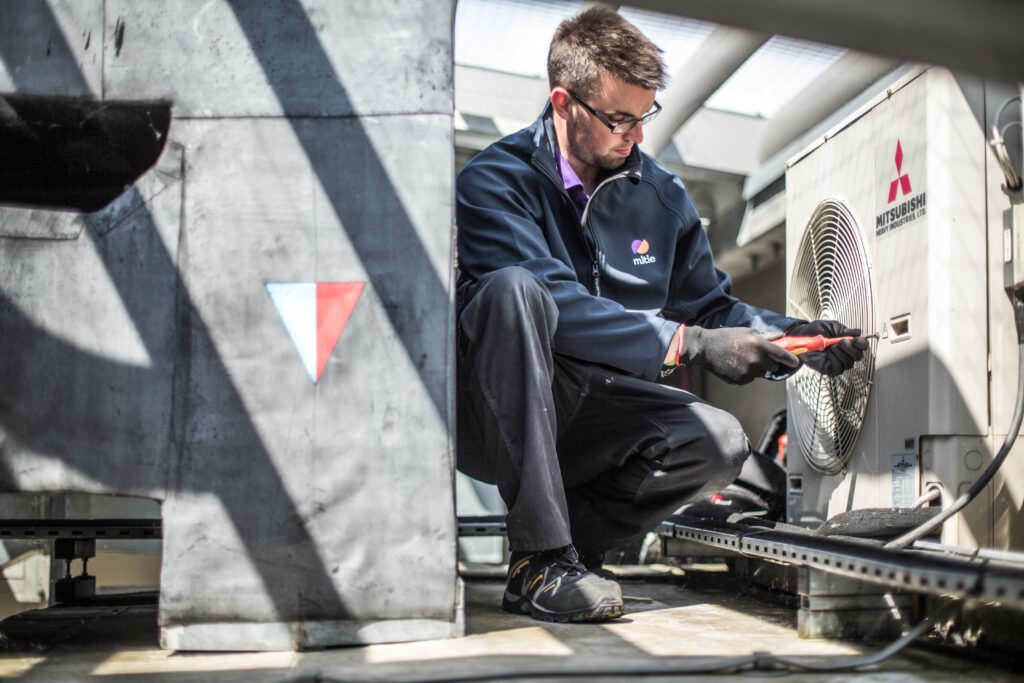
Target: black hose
775 427
993 467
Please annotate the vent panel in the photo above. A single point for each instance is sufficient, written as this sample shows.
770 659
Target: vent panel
831 281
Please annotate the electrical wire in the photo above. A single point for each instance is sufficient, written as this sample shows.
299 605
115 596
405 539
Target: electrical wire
754 663
927 498
993 467
998 145
862 661
1005 557
1002 108
1013 181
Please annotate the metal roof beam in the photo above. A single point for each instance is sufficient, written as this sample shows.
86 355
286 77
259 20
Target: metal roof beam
722 53
981 36
839 84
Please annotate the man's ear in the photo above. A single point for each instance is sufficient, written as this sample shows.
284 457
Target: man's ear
560 99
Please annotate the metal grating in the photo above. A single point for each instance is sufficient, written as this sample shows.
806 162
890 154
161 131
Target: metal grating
831 281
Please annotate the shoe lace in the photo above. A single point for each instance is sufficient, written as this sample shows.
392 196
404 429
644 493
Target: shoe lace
568 559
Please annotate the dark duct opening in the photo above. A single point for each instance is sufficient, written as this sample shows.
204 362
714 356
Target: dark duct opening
66 153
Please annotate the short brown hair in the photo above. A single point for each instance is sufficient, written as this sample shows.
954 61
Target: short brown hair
600 40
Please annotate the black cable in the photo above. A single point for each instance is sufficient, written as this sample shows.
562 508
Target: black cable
755 663
861 661
993 467
775 427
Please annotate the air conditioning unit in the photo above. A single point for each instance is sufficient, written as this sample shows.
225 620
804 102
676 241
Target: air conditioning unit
895 225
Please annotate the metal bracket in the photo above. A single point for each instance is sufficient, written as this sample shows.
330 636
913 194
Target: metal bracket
919 571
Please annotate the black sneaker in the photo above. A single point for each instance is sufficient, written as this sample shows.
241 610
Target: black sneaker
554 586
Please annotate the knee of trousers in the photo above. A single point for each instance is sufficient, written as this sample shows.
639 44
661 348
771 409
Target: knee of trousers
514 294
723 445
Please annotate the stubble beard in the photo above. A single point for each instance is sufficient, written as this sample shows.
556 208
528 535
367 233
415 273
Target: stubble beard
581 145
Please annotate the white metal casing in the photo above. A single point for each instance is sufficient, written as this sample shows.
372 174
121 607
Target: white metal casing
929 257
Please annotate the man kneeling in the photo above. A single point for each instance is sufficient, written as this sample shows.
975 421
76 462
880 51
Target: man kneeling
585 273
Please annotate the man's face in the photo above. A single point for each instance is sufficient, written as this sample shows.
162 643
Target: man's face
590 141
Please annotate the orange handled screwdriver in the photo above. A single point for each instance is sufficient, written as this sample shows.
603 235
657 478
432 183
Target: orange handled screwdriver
801 345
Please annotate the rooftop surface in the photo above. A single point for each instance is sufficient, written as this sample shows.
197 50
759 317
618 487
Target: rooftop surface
672 620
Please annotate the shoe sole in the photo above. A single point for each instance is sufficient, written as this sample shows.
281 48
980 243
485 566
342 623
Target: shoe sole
607 609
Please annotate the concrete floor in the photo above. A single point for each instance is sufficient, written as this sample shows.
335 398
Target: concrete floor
686 619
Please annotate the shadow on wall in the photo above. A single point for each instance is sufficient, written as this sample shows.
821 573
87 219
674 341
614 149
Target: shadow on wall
139 429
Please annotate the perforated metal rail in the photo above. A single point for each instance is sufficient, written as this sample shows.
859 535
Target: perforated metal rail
997 577
150 528
483 525
45 529
937 573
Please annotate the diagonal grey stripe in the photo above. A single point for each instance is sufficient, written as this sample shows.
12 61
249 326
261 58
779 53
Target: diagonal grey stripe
32 417
418 282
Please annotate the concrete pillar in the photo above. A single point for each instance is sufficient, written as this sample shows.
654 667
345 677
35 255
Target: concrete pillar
257 332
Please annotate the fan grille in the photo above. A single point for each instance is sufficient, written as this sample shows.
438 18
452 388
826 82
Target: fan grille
831 281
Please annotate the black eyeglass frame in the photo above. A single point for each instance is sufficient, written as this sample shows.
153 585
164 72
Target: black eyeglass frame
620 127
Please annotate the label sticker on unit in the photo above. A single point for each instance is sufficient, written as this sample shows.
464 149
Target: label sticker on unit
900 197
904 479
315 314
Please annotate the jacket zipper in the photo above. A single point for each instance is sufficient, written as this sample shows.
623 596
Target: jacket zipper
591 251
590 241
595 271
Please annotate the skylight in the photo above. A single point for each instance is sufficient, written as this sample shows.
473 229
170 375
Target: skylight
679 37
773 76
512 36
509 35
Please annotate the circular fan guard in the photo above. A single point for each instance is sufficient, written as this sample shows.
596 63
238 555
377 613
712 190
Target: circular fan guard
831 281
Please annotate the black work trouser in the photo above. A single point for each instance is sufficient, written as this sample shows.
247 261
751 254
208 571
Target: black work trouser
581 454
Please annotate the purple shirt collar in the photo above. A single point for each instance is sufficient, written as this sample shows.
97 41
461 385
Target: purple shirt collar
572 183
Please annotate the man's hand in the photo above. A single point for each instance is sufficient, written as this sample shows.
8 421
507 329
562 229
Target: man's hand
736 354
836 359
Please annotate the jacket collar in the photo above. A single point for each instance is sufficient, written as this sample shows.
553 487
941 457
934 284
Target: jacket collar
544 141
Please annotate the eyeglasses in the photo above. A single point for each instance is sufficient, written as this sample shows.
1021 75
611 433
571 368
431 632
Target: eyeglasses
620 127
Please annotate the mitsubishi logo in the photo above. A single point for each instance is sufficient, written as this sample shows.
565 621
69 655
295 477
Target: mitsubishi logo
894 215
902 179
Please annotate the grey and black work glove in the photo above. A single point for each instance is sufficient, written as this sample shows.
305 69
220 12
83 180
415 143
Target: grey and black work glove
836 359
736 354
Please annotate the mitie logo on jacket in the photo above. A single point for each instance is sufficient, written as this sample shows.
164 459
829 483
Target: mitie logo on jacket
640 247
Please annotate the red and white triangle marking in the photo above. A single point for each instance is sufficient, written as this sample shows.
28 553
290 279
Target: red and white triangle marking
315 314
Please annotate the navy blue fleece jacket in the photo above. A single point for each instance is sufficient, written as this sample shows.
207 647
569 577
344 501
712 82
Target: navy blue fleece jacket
624 276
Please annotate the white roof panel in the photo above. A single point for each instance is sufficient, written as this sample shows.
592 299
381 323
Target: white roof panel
773 76
679 37
509 35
